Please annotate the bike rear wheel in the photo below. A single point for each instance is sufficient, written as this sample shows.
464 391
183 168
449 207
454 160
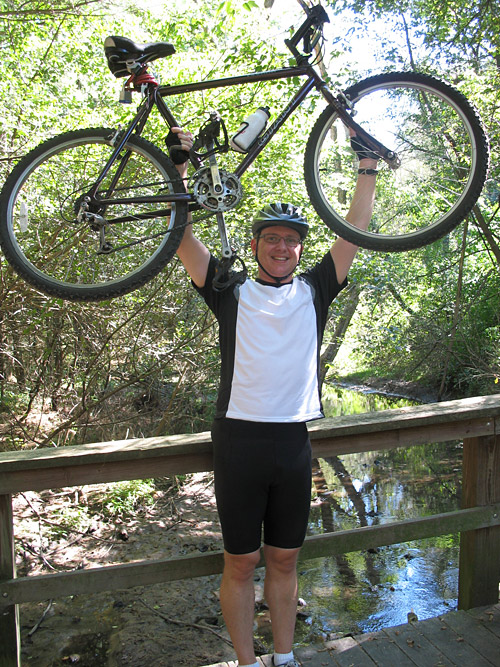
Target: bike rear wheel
444 161
45 243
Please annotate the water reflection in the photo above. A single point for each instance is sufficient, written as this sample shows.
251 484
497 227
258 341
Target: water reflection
365 591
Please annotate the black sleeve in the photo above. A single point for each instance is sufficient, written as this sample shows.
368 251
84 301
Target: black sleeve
323 278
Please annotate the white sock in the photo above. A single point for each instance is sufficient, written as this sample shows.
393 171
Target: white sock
254 664
282 658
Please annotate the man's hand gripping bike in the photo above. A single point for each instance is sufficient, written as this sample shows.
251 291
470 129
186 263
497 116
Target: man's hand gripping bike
95 213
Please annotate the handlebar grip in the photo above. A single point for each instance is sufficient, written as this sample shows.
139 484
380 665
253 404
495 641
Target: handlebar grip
177 154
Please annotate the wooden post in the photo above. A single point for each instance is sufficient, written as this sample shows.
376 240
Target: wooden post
479 563
10 644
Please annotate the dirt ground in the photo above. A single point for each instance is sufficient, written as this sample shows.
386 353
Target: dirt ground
164 625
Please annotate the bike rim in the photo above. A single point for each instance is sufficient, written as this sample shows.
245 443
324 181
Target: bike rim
55 247
434 138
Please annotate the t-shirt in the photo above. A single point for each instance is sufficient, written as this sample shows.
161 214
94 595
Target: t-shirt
270 341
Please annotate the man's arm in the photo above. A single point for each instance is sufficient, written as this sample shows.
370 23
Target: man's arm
359 215
191 251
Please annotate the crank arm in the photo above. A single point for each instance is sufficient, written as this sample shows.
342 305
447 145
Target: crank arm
227 251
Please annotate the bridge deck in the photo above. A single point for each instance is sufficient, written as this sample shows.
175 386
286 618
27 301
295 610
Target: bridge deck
457 638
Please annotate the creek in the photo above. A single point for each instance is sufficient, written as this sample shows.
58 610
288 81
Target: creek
365 591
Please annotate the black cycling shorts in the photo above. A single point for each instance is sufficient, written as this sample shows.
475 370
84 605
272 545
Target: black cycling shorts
262 478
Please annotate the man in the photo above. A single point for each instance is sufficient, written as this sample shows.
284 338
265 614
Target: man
270 333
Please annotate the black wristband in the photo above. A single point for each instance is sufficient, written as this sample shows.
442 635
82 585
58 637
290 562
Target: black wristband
368 172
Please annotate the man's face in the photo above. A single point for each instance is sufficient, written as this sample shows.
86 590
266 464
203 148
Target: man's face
279 250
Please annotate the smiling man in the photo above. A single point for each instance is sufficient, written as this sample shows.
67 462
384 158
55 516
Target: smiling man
270 333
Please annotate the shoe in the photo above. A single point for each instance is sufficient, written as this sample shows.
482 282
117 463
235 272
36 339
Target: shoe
290 663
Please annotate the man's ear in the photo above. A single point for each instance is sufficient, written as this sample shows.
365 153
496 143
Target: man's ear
253 245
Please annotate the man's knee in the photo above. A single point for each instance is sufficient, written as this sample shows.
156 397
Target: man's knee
241 566
281 561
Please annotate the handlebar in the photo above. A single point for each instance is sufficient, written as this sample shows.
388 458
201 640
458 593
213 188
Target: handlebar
316 17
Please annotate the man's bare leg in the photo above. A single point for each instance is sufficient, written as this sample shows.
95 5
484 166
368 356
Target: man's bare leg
237 599
281 593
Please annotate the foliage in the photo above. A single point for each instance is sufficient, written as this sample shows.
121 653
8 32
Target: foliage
451 28
147 363
125 498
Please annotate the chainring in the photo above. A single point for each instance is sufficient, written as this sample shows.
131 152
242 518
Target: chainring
205 195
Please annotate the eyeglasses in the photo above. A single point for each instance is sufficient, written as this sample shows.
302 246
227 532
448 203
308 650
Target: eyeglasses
274 239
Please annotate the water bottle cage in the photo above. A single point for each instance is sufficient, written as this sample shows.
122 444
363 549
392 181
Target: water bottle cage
207 142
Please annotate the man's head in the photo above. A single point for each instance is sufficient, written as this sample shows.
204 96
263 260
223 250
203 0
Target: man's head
279 230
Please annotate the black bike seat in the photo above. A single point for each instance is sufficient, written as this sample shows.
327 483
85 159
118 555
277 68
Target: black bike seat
120 49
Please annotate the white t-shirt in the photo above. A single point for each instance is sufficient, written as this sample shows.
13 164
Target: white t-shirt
270 339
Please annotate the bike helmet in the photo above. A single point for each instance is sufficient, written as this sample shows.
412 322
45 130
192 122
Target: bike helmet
280 215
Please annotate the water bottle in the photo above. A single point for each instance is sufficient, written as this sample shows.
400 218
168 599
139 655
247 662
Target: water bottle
250 129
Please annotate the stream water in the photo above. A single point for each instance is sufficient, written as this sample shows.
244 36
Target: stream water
365 591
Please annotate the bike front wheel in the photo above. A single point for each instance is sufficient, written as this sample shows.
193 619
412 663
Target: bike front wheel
83 259
444 156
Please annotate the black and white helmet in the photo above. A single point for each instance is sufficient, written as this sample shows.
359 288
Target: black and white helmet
282 215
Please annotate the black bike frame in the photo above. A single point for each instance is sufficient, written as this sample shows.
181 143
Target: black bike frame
313 80
155 94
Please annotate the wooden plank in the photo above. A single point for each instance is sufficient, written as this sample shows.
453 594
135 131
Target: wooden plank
368 537
112 462
479 407
10 646
34 479
103 452
472 630
144 457
416 646
347 652
116 577
479 561
450 644
489 617
316 656
383 650
110 577
420 642
326 444
465 414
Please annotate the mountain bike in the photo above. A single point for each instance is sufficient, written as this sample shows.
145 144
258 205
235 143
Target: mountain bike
96 213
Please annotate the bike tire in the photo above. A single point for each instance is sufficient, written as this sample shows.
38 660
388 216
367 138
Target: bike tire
444 154
46 245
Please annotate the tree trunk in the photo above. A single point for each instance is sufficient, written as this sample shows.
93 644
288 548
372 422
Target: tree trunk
331 350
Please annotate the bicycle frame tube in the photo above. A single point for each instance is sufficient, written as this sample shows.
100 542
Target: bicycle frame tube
137 124
313 80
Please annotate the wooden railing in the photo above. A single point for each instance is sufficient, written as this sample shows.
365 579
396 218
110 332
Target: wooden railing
475 420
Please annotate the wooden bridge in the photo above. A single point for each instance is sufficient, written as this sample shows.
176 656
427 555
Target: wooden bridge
458 638
475 420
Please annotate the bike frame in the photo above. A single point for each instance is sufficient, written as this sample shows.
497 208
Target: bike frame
154 98
154 95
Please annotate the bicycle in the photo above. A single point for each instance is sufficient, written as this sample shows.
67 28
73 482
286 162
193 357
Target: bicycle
96 213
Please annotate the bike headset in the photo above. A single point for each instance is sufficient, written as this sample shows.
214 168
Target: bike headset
279 215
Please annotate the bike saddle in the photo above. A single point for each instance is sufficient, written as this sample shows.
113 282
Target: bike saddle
120 49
